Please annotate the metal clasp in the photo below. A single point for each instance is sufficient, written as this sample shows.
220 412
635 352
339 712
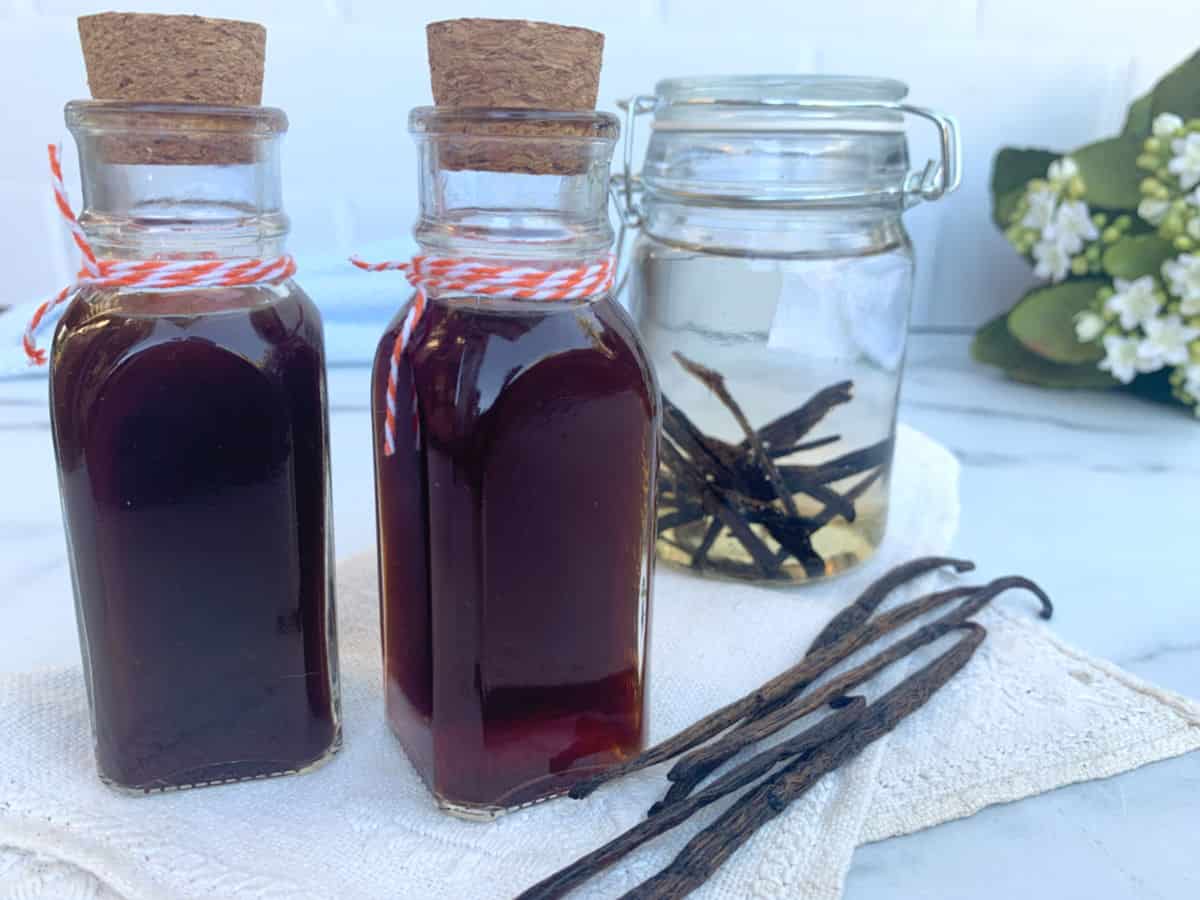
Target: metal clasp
935 181
626 187
932 182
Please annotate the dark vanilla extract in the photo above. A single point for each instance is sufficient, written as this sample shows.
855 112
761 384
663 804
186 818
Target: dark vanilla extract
515 527
192 451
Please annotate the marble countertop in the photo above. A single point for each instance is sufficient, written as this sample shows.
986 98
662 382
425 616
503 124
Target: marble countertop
1095 495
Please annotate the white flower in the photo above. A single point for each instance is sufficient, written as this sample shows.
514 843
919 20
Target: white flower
1061 172
1167 340
1183 279
1193 198
1072 226
1123 358
1186 161
1135 301
1088 327
1053 261
1154 211
1166 124
1191 380
1040 214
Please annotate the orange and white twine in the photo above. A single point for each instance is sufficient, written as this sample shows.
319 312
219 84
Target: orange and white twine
155 273
466 276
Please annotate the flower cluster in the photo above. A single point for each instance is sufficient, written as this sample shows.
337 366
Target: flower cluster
1171 193
1053 226
1153 322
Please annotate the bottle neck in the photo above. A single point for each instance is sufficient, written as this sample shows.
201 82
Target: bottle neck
172 183
513 216
513 197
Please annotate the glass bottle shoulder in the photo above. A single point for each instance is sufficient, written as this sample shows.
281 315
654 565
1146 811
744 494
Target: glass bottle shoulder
270 329
492 346
248 320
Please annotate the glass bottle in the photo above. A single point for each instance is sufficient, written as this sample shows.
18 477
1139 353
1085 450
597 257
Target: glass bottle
191 435
515 516
772 252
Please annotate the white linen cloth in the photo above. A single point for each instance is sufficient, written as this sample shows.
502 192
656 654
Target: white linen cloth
1026 715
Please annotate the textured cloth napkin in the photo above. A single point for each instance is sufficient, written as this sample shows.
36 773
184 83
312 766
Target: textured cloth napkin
1026 715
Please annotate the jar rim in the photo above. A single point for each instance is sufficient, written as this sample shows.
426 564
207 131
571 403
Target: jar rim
780 103
125 115
779 89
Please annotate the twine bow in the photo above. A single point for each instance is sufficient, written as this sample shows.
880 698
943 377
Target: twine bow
154 273
487 279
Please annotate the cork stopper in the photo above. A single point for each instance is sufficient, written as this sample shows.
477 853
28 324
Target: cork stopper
513 64
144 58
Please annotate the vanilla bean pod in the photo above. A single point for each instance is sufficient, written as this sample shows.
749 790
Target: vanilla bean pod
570 877
732 469
870 599
681 516
817 444
718 506
740 479
997 586
812 754
725 469
713 846
798 477
849 498
791 427
695 766
827 515
700 557
715 382
791 681
716 458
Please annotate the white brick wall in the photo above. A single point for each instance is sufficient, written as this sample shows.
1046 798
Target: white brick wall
347 71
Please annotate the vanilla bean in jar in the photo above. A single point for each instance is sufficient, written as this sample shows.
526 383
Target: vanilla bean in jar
516 420
772 282
189 420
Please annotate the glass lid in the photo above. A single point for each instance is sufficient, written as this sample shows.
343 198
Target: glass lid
779 103
784 140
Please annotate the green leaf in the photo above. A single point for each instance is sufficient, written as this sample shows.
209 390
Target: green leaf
1044 321
1004 206
995 346
1139 118
1013 168
1133 257
1109 169
1179 90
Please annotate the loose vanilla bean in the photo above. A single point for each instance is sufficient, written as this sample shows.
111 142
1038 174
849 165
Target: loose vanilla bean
994 588
713 846
793 680
808 757
849 713
871 599
695 766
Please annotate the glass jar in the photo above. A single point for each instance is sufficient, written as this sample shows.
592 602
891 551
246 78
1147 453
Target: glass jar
771 282
515 513
191 436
